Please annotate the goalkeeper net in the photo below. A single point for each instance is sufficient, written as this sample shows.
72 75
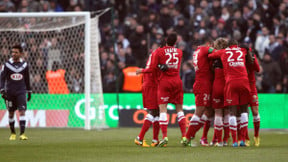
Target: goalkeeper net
62 52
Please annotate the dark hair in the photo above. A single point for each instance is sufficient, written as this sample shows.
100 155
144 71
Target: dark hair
19 47
163 42
55 65
232 42
171 39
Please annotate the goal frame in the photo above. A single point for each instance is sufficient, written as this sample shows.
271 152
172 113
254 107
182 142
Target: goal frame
87 44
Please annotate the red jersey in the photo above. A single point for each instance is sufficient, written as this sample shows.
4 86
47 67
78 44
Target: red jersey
251 71
150 78
202 64
168 55
233 60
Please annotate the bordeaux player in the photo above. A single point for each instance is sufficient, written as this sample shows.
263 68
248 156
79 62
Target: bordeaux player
149 96
236 85
170 89
202 89
15 84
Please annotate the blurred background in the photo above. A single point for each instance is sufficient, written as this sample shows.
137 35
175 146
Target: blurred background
137 26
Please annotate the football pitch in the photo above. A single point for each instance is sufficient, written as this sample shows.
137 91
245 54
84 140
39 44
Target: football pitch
53 145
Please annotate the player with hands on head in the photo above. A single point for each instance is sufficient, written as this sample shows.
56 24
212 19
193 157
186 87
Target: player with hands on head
15 84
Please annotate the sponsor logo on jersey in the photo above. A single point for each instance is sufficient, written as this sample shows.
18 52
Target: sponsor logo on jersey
216 100
16 76
165 99
235 64
229 101
131 74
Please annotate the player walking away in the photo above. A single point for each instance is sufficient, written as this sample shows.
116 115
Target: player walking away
253 102
218 98
170 88
14 86
202 89
149 95
236 86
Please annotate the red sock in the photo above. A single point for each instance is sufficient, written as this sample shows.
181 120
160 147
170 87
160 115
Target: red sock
247 135
243 131
182 125
194 126
256 128
238 130
218 131
233 130
147 123
163 127
226 132
156 129
206 129
214 139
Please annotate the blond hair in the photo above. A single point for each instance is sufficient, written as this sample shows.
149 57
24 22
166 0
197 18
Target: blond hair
220 43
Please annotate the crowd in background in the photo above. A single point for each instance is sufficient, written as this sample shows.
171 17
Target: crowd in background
139 25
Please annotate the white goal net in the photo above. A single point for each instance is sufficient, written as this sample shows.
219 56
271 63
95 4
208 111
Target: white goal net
62 52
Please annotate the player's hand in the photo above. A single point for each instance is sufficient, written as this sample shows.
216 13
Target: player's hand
29 96
138 71
3 94
163 67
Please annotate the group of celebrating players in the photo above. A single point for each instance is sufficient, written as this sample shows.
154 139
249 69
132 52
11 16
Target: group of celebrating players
224 87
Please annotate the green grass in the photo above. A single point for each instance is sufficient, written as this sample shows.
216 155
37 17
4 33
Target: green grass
53 145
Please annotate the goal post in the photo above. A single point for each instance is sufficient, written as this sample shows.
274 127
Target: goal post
70 38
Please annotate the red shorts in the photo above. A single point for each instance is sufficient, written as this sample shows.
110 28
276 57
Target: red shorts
253 96
170 90
202 87
202 92
149 95
236 92
202 99
218 93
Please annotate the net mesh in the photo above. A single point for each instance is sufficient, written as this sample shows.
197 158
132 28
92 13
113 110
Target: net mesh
51 44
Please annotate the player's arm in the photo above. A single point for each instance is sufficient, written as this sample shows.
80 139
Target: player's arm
3 74
249 57
153 64
211 50
215 55
27 82
256 65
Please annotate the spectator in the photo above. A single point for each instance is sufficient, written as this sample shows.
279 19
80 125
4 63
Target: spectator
188 77
75 81
109 82
56 79
284 69
271 75
274 48
248 21
165 20
278 27
138 45
262 41
38 84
